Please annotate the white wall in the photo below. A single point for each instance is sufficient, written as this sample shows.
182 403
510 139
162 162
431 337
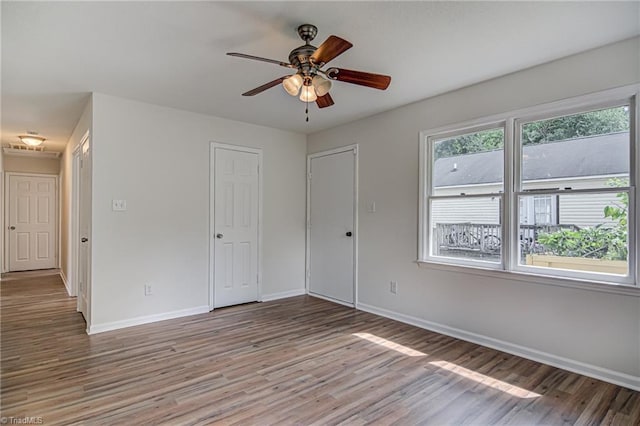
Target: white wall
601 330
157 159
66 179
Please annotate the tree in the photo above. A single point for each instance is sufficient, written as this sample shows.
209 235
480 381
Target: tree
568 127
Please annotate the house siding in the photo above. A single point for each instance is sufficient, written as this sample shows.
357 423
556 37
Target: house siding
578 209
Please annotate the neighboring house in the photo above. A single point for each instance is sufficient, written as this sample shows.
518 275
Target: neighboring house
575 163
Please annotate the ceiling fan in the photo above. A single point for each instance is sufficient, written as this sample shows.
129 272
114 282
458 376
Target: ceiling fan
308 60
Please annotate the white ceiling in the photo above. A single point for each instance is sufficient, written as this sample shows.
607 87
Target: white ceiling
173 53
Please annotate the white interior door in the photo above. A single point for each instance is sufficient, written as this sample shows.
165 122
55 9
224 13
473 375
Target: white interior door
84 220
32 222
332 197
235 226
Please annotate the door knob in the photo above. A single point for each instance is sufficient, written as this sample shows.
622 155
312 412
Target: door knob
219 236
12 228
84 239
348 234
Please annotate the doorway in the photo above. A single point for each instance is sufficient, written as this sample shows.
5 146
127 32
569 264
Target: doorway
31 221
235 223
81 227
332 211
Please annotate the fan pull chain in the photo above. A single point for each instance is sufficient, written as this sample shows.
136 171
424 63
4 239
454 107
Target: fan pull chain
306 111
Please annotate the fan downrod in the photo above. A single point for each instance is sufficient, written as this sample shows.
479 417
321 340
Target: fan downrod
307 32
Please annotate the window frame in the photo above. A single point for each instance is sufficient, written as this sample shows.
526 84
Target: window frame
429 196
519 191
512 121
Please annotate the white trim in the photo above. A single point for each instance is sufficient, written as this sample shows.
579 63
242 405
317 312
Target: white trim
15 152
577 102
56 209
65 282
331 299
86 141
116 325
283 294
513 187
531 278
212 175
427 142
74 219
356 158
600 373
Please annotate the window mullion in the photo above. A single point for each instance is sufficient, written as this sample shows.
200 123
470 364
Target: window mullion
511 173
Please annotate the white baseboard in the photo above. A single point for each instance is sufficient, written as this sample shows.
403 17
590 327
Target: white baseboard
116 325
283 295
66 283
611 376
330 299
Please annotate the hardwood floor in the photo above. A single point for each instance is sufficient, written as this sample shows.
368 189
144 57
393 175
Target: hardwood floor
296 361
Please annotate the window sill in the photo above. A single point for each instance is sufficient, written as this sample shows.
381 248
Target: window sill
599 286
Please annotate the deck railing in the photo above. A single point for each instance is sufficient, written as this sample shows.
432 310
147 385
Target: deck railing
485 240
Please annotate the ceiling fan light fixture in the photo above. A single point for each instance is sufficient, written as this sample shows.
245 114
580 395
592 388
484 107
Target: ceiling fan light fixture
31 139
308 94
321 85
292 84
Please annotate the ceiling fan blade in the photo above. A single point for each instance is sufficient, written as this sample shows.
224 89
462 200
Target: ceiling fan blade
324 101
258 58
264 87
332 47
376 81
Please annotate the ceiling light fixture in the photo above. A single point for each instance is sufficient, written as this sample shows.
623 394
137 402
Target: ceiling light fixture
292 84
321 85
308 94
31 139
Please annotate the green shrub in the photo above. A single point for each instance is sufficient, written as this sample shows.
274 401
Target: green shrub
603 241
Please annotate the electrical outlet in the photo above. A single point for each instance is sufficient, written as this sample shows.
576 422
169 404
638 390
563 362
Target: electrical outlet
393 287
119 205
147 290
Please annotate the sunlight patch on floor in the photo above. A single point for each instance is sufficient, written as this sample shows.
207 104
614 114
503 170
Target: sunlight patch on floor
485 380
389 344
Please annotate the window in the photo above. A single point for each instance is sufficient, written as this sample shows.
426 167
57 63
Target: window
465 201
581 160
538 210
544 191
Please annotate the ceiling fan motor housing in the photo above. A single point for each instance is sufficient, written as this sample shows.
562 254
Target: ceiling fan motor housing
299 57
307 32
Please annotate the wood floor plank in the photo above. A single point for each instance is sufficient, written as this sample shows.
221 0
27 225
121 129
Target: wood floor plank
296 361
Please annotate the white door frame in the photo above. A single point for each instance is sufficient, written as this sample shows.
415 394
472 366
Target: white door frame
74 231
56 211
212 212
307 276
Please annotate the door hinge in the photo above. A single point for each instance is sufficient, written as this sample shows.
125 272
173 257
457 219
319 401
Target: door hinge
309 176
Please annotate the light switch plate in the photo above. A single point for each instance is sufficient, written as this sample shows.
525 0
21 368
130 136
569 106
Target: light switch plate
119 205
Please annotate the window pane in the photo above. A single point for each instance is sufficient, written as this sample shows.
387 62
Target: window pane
471 163
591 234
466 228
576 151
